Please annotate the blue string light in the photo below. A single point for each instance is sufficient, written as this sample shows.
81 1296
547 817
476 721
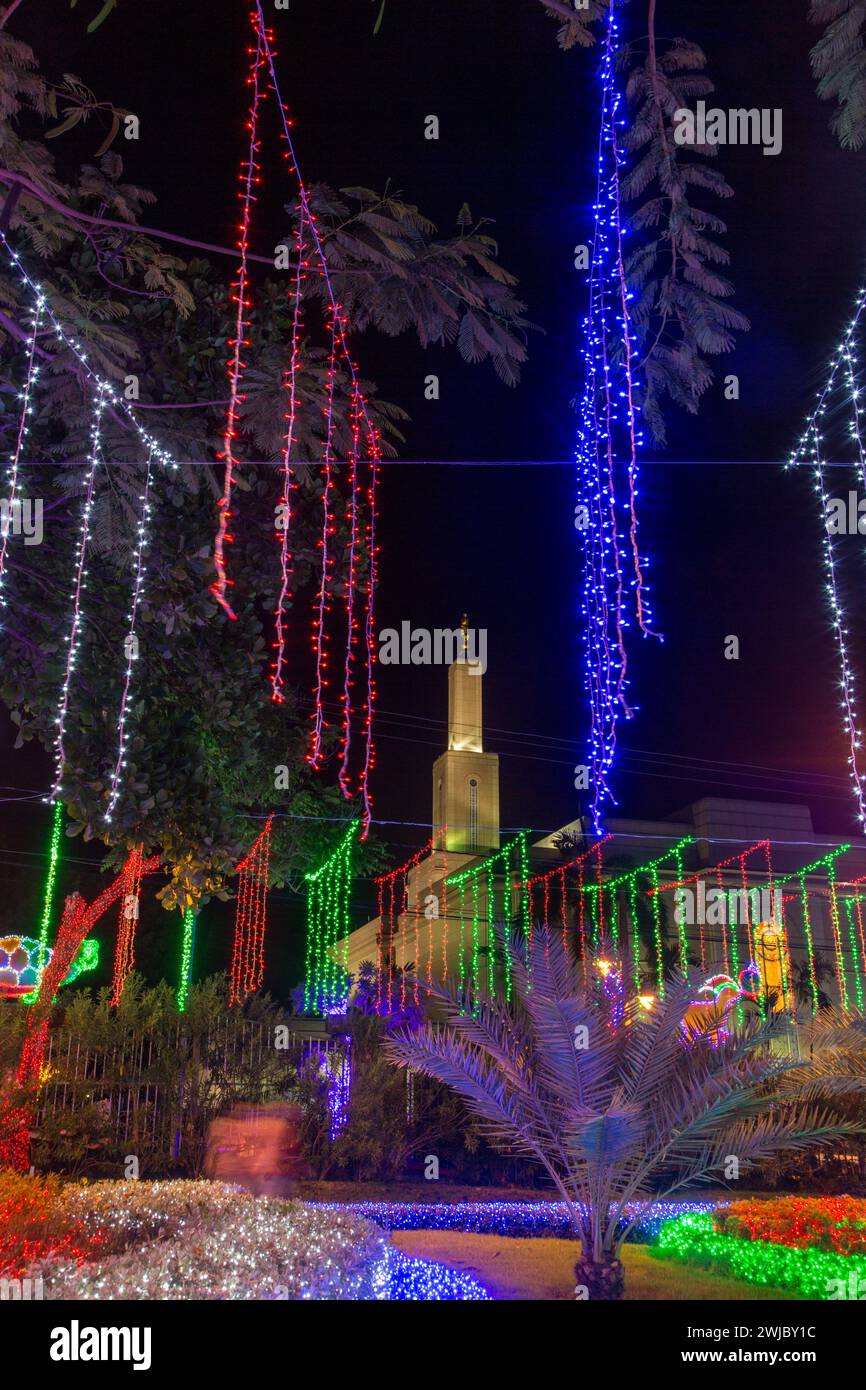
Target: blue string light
614 590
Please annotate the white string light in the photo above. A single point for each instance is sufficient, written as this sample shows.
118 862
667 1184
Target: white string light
810 448
131 643
79 584
105 397
12 472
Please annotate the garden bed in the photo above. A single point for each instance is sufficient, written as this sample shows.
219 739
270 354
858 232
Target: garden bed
203 1241
816 1246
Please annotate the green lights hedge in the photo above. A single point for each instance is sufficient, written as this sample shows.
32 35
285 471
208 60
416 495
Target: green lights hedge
810 1272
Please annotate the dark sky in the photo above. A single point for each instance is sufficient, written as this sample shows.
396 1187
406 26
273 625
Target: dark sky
735 549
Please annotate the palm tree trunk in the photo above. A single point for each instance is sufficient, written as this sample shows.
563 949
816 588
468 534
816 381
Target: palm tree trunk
603 1278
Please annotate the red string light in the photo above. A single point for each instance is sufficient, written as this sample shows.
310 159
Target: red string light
124 951
283 530
236 365
395 885
338 500
248 948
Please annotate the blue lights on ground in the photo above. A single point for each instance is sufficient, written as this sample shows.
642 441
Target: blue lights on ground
403 1277
516 1219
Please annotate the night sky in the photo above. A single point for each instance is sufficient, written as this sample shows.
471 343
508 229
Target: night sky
735 548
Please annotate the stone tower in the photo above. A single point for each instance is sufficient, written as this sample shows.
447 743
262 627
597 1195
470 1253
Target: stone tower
465 778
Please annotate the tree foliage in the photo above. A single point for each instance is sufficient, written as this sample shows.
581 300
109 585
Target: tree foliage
839 65
205 739
611 1101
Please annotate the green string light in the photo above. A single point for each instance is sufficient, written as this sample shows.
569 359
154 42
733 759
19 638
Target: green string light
472 876
328 926
186 953
48 898
828 862
657 932
856 962
635 935
837 935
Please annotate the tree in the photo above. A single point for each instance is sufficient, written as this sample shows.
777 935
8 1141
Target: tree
839 65
205 738
680 314
613 1103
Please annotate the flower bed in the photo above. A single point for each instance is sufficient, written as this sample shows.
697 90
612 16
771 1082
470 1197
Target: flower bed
516 1219
834 1224
209 1240
811 1271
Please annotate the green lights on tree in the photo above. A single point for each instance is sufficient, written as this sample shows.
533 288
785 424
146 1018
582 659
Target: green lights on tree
48 899
328 924
186 954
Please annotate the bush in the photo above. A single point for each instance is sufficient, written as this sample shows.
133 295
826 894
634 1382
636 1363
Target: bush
36 1224
820 1223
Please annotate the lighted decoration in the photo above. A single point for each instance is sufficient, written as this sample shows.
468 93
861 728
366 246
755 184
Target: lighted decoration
514 1219
48 895
707 1016
187 951
79 584
394 909
248 947
758 902
349 500
608 442
628 882
23 961
827 862
813 1273
12 487
104 396
552 887
839 401
16 1106
124 951
326 981
131 643
510 865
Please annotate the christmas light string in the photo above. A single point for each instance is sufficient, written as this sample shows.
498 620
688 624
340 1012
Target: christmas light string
249 178
104 397
810 450
828 863
328 926
248 952
187 949
351 619
50 884
284 530
512 862
325 545
124 952
558 872
394 885
78 587
608 442
12 472
131 640
629 880
370 438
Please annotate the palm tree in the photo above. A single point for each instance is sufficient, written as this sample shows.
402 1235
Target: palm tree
609 1098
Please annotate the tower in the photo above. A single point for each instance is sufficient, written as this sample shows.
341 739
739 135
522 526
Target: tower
465 778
